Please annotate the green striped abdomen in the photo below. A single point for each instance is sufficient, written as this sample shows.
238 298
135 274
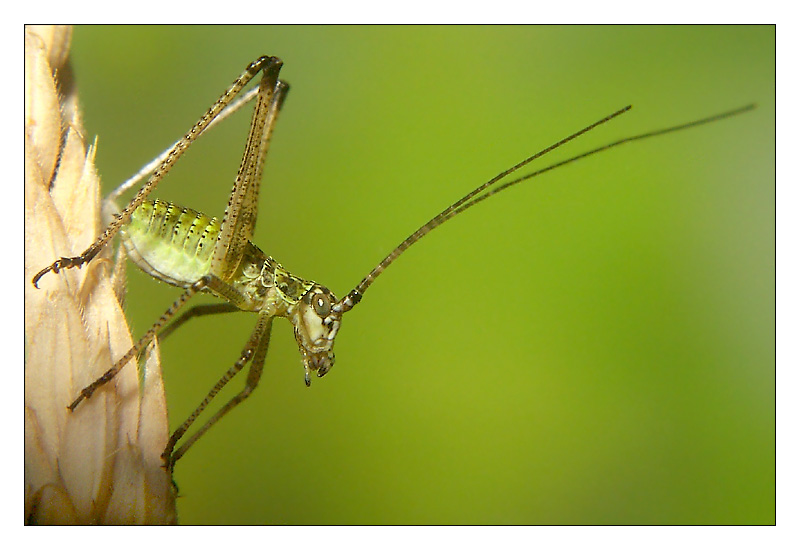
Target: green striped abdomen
169 242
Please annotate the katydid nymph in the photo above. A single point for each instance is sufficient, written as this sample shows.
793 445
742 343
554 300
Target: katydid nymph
198 253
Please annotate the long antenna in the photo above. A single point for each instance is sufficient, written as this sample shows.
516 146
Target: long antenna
474 197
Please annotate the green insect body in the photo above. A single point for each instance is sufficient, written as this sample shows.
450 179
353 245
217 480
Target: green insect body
176 245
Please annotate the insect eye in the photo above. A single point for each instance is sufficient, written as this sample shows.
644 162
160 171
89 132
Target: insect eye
322 305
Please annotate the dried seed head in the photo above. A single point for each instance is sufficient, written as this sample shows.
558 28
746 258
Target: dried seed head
101 463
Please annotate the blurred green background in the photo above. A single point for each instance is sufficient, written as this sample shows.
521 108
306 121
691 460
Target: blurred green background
594 346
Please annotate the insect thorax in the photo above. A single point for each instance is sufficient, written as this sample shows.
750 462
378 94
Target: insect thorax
266 285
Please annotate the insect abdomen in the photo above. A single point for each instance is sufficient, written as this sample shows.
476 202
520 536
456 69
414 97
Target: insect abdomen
169 242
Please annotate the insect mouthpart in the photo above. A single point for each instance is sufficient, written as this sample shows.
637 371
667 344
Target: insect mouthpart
320 362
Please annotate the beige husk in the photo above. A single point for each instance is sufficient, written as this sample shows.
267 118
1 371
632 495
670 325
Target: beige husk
101 463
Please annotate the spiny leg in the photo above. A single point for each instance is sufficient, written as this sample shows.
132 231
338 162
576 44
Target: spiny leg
196 311
255 351
241 213
143 341
268 64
